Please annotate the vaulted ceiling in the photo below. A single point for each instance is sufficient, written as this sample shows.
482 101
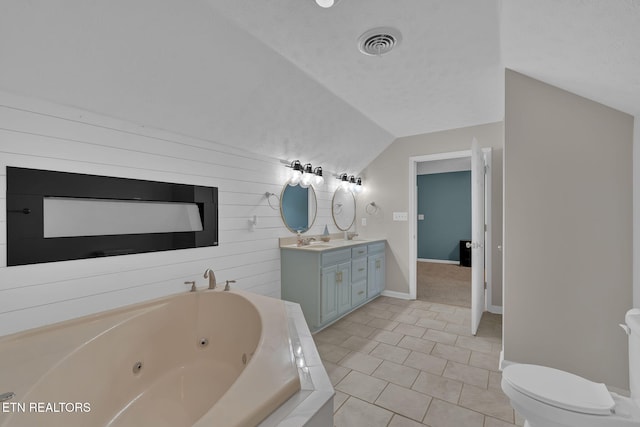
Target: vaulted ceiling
285 78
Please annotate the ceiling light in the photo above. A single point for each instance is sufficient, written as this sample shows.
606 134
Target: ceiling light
326 3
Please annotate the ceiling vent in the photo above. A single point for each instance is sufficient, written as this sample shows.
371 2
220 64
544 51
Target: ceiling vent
379 41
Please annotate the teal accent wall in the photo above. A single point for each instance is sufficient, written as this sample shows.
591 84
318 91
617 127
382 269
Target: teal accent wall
445 201
295 207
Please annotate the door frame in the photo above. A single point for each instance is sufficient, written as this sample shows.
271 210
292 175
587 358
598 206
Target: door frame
413 218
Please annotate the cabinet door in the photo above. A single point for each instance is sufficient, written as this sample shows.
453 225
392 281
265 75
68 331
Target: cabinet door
376 275
344 287
328 294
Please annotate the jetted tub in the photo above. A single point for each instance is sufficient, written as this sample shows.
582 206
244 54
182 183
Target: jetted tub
207 358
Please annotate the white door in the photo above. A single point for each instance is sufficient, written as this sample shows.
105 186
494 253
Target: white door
477 235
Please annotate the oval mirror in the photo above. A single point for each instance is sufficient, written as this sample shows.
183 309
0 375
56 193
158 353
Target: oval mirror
343 208
298 207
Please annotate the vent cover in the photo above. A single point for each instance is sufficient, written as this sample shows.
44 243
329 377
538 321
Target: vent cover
379 41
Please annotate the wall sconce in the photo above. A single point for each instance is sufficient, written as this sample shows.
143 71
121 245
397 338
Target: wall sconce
304 175
350 183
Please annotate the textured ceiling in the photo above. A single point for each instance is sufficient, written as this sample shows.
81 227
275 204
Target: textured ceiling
446 73
284 77
589 47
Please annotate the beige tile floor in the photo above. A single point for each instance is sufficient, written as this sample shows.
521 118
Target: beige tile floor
404 363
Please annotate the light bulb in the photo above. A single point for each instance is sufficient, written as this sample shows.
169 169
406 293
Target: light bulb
358 188
318 179
352 183
295 178
306 180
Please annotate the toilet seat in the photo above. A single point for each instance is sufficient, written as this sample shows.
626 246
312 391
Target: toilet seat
560 389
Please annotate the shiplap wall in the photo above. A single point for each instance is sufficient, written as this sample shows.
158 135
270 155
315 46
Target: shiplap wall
36 134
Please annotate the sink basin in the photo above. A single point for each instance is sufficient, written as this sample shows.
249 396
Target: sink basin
318 245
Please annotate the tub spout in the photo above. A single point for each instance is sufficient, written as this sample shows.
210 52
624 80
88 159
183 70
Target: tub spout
212 278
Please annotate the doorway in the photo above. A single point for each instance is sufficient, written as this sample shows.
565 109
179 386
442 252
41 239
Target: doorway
481 160
443 229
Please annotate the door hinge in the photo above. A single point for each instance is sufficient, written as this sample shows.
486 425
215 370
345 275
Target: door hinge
485 286
485 227
486 169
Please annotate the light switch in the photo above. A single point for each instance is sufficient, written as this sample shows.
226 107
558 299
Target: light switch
364 222
400 216
420 217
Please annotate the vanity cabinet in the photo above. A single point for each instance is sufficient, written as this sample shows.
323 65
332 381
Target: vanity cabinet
331 282
376 270
335 292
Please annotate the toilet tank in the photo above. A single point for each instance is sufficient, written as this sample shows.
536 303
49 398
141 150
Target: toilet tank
632 319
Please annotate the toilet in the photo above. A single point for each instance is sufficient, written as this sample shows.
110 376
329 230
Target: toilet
548 397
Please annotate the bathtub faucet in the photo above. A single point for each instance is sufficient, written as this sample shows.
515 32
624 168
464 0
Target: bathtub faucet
212 278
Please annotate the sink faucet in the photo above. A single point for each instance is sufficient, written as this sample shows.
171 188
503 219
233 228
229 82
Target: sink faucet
307 241
208 273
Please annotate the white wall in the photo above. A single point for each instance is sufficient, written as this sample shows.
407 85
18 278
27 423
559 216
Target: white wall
568 231
36 134
636 212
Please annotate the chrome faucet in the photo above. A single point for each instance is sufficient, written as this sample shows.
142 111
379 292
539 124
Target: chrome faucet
193 285
212 278
306 241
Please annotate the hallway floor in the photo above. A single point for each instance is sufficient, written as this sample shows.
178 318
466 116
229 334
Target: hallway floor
401 363
444 283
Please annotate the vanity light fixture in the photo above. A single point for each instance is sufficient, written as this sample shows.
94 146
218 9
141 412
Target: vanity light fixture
318 180
326 3
307 176
304 175
296 173
344 180
350 183
358 187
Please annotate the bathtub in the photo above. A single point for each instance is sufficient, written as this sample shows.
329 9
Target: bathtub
207 358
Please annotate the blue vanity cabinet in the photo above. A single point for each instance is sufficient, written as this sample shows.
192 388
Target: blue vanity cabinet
359 275
328 294
376 269
329 283
335 293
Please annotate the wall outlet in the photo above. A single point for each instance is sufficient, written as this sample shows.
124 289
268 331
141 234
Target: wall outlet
364 222
420 217
400 216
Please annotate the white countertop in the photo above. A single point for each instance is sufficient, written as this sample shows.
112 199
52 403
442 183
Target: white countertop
319 246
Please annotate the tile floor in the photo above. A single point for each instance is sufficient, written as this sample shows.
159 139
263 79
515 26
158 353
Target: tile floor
401 363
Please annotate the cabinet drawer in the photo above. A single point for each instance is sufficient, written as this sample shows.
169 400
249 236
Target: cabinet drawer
358 251
336 257
358 292
358 269
376 247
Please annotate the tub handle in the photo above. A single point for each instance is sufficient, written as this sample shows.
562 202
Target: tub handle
226 284
192 283
7 396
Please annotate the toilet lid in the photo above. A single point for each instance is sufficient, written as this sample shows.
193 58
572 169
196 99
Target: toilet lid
560 389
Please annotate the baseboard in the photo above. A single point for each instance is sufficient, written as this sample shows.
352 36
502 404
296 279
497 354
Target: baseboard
439 261
394 294
504 363
495 309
